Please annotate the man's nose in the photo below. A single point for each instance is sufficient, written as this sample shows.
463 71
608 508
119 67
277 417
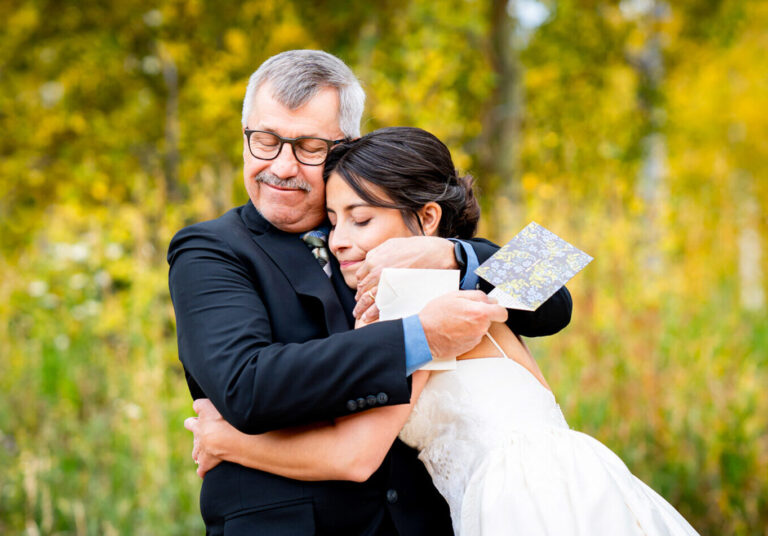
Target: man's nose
285 166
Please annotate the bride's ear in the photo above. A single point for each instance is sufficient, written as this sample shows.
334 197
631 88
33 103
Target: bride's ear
430 215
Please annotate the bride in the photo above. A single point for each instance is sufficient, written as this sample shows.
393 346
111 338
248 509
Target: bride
490 432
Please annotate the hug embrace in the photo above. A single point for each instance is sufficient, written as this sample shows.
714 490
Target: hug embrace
314 416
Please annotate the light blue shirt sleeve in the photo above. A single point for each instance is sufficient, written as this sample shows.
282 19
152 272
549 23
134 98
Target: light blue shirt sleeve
417 351
470 277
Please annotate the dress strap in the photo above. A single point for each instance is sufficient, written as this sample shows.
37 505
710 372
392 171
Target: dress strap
498 347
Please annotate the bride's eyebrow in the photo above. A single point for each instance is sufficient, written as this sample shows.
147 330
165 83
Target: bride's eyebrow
349 207
356 205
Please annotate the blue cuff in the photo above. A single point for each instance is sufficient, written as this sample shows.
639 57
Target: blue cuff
470 277
417 352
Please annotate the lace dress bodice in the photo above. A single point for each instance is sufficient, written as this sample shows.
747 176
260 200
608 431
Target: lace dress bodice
463 414
498 449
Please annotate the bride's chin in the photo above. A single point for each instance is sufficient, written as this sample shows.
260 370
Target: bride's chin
350 280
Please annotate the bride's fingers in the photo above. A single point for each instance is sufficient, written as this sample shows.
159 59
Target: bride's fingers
201 405
190 423
367 279
361 274
371 315
205 466
366 300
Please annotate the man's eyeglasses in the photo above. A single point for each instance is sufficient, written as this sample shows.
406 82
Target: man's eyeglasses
307 150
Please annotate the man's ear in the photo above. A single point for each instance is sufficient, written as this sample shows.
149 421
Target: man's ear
430 215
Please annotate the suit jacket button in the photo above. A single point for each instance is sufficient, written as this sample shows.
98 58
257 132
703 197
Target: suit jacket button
391 496
371 400
361 403
382 398
351 405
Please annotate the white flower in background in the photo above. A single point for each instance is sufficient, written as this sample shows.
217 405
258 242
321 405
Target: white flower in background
79 252
78 281
102 278
153 18
60 251
132 410
86 309
51 93
49 301
113 251
37 288
61 342
633 9
91 307
150 64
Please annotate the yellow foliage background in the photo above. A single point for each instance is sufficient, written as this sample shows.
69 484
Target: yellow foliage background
636 130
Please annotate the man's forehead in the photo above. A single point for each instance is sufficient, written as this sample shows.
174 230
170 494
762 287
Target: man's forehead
287 131
319 116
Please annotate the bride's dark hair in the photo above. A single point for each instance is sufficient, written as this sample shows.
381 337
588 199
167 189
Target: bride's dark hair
412 167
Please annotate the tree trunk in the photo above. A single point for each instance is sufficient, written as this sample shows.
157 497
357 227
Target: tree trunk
651 184
496 149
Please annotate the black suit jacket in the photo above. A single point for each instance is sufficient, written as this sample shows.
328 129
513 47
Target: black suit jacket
267 336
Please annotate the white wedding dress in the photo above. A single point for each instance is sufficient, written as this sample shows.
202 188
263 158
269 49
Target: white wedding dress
499 450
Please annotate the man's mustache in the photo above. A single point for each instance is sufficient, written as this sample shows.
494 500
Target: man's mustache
273 180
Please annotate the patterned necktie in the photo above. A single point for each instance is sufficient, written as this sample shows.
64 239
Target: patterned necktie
316 241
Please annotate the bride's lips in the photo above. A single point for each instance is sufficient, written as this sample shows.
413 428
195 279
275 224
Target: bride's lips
348 264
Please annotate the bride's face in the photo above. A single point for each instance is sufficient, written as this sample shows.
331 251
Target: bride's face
356 226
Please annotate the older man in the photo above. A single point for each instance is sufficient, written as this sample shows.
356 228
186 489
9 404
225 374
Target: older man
264 318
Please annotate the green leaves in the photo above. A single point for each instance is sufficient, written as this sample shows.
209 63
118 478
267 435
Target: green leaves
121 124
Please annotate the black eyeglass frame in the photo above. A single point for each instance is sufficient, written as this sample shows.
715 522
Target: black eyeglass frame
292 142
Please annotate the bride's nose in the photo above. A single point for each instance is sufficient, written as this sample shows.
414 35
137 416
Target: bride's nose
338 239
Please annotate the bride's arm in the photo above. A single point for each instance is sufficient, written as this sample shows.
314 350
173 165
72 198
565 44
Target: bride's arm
351 448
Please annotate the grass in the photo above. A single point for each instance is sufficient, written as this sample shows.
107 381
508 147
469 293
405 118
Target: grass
92 397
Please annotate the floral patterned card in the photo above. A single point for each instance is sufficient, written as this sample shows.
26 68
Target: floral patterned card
531 267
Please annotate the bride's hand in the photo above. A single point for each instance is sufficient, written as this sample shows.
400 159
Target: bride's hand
211 432
409 252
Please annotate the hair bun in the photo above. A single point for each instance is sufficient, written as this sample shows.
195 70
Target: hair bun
464 223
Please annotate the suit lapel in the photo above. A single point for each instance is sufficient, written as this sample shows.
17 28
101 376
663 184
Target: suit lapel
302 270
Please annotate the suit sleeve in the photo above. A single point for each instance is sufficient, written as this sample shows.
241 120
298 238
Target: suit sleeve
226 347
552 316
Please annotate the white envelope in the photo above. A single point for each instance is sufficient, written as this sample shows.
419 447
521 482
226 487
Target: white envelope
405 291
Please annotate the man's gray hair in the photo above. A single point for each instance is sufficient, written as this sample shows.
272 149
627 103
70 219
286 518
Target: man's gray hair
297 75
